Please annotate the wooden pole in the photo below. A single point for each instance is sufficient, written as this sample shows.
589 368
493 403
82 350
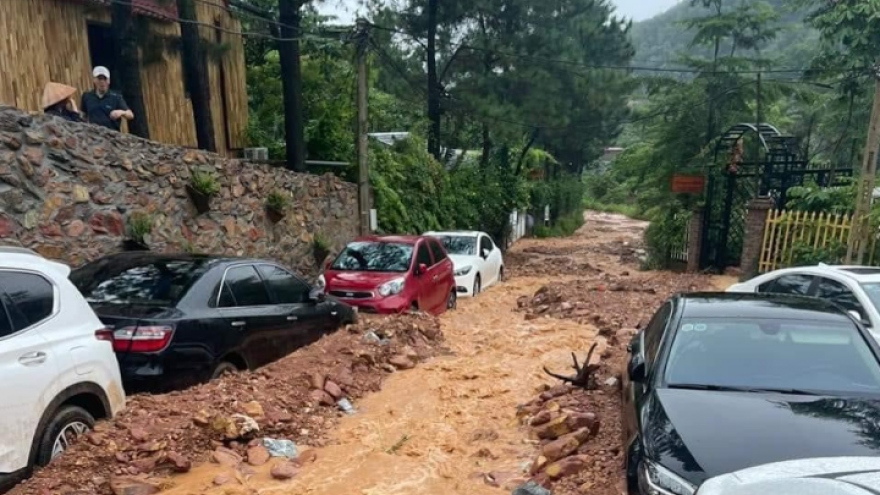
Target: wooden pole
291 83
363 165
860 235
196 75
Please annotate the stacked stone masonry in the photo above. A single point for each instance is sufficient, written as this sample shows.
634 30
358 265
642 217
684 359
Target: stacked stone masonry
67 189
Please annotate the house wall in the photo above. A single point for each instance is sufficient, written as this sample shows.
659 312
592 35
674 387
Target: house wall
46 40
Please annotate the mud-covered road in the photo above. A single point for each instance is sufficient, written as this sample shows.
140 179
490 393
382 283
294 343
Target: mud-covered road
450 425
455 424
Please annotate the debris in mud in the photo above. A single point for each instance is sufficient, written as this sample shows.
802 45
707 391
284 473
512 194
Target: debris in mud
280 448
219 420
584 376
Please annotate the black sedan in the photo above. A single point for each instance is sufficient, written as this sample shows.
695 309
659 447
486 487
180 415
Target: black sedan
178 320
718 383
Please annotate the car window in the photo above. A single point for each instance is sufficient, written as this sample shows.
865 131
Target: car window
654 333
485 244
459 244
836 292
423 255
374 257
286 288
246 286
437 251
6 328
774 353
789 284
28 297
139 279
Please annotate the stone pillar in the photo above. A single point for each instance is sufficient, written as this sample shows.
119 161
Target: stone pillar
695 240
753 235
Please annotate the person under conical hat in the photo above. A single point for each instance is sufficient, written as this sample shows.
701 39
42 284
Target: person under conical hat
55 93
58 101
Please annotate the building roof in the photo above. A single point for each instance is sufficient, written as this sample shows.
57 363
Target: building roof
159 9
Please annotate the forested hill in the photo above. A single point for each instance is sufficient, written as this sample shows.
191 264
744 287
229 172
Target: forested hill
660 40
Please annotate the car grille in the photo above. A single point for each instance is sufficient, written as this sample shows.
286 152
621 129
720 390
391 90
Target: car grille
346 294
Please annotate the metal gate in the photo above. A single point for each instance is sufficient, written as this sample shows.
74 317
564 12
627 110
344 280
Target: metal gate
730 189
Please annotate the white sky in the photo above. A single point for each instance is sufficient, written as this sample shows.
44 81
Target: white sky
638 10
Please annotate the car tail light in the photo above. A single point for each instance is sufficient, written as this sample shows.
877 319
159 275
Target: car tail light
105 334
142 338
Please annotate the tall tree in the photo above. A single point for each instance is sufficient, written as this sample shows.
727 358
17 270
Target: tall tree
128 65
196 74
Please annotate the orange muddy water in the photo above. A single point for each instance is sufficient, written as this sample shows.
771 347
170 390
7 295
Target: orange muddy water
448 426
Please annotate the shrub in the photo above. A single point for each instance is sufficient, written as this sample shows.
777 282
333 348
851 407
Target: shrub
204 183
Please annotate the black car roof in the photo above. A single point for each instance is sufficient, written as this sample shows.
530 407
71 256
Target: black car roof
769 306
148 257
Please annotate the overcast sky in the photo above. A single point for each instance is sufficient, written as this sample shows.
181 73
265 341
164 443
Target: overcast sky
638 10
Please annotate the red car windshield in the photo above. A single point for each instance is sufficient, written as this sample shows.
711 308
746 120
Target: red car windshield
374 257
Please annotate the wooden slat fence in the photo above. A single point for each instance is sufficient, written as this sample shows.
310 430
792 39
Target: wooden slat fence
800 237
679 252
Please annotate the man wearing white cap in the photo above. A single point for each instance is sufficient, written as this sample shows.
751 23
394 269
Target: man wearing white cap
102 106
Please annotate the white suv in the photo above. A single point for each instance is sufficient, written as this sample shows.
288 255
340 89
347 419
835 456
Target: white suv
58 371
854 288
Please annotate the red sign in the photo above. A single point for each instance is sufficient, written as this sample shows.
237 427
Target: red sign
688 184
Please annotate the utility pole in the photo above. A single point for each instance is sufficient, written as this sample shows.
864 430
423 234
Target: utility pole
860 235
290 14
361 39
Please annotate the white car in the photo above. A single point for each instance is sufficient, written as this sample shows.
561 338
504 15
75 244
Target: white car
823 476
58 371
854 288
477 260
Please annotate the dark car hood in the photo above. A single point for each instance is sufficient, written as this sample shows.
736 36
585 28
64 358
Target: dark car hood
701 434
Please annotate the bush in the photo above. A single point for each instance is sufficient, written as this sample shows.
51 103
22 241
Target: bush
565 227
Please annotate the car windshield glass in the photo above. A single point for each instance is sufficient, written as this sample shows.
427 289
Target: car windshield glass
459 244
873 292
374 257
143 281
772 354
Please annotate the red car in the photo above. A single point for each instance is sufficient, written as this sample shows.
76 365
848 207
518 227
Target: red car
393 274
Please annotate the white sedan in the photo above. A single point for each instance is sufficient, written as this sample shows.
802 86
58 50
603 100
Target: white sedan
477 260
854 288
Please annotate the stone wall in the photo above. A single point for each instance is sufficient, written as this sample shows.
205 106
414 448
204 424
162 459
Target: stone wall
68 191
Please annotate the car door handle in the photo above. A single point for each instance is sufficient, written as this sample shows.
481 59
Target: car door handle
436 278
334 313
33 358
238 323
293 318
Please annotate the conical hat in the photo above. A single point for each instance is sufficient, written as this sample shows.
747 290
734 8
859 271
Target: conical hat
56 92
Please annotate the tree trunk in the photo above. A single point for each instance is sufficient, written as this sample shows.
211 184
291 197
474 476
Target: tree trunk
291 79
487 146
196 74
434 114
128 66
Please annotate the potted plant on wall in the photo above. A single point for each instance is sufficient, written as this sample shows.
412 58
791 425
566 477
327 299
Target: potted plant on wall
138 226
276 203
320 249
202 186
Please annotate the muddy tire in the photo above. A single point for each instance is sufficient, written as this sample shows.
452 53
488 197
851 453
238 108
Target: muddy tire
413 309
68 424
501 274
223 368
478 285
452 300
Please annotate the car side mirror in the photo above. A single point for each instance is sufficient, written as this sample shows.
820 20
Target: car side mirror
486 253
638 372
422 268
317 295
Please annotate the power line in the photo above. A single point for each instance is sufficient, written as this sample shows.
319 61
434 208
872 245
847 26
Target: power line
628 68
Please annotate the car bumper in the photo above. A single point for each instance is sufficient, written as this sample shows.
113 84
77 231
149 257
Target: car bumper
151 373
379 305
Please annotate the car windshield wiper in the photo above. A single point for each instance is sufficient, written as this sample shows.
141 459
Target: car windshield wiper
726 388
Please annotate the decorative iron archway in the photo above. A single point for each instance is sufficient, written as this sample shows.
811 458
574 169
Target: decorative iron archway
774 168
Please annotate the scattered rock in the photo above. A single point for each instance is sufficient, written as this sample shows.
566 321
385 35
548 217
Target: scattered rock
334 390
284 471
127 485
226 457
257 455
222 479
402 362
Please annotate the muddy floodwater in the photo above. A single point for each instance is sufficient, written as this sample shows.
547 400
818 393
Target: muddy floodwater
449 426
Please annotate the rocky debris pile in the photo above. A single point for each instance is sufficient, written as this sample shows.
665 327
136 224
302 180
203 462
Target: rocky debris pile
240 419
553 267
577 433
588 301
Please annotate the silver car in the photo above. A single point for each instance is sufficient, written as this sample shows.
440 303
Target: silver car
822 476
